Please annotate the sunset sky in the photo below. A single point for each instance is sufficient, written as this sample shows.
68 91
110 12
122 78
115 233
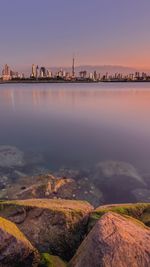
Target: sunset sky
98 32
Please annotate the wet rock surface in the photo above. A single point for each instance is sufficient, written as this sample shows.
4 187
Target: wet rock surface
55 226
114 241
52 187
26 175
11 156
15 249
117 180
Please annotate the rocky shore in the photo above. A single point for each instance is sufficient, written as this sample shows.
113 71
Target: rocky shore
62 218
59 233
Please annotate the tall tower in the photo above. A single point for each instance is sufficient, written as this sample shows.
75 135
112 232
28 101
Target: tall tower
37 72
33 71
73 67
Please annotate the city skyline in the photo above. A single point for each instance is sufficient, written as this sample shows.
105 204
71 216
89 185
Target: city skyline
96 32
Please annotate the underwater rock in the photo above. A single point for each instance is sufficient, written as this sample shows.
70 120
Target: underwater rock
11 156
117 168
141 194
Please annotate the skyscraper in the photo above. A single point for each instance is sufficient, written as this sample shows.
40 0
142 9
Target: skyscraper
73 67
6 73
6 70
37 72
33 75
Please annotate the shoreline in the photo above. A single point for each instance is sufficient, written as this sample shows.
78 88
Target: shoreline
61 81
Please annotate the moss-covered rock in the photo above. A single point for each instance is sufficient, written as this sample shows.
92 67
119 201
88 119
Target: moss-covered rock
139 211
55 226
51 261
15 249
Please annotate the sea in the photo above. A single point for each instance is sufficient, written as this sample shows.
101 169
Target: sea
102 128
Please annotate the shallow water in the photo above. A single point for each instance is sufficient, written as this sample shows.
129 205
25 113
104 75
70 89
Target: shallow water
76 126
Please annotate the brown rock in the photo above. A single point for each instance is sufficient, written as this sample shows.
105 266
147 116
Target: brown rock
15 249
54 226
115 241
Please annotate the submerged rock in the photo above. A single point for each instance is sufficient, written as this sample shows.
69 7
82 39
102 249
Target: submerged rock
141 194
114 241
55 226
11 156
15 249
117 168
52 187
117 180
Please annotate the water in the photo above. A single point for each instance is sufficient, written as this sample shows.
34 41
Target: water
77 126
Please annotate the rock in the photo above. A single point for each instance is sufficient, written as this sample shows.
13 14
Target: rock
110 174
49 186
41 186
11 156
55 226
51 261
114 241
139 211
141 194
15 249
118 168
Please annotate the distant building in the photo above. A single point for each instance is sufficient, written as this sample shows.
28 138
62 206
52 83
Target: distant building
33 75
6 73
83 74
42 72
73 68
91 76
95 75
37 72
49 74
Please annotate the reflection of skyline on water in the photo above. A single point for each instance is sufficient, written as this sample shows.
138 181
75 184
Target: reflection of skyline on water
78 123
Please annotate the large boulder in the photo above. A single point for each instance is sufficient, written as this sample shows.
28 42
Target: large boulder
139 211
114 241
55 226
15 249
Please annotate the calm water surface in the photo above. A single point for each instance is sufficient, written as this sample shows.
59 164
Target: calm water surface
78 124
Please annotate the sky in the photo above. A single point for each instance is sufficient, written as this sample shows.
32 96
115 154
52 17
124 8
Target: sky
97 32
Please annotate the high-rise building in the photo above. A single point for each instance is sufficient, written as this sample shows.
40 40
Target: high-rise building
42 72
73 67
37 72
33 75
6 72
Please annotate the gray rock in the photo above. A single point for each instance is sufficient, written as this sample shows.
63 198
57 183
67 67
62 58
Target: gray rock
117 168
11 156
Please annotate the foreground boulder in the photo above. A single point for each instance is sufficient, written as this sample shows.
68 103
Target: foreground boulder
55 226
139 211
15 249
114 241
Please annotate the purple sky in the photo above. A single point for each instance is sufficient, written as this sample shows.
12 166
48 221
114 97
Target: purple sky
98 32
